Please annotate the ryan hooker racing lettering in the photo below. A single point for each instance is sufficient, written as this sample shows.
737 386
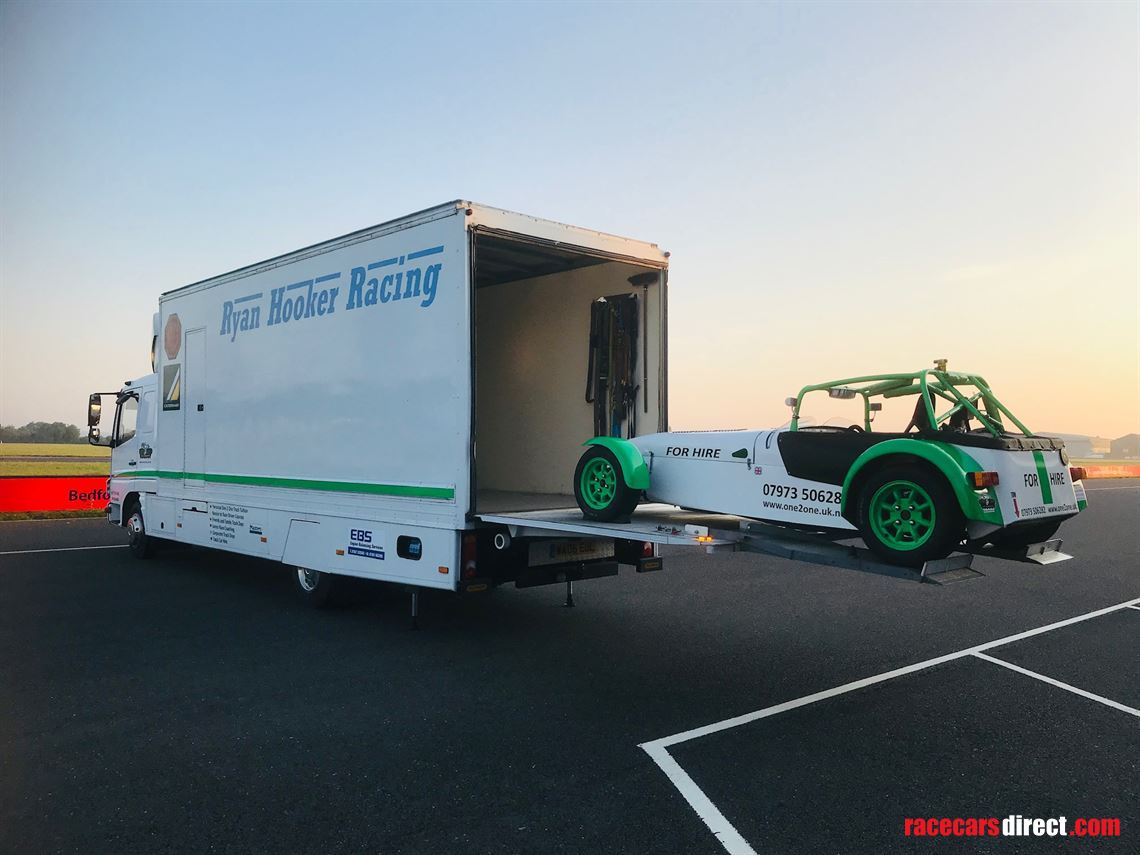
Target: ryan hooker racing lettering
301 301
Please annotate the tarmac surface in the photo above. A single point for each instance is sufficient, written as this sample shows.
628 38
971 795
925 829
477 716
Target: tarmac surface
191 703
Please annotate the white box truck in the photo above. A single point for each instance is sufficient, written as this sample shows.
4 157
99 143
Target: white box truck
401 403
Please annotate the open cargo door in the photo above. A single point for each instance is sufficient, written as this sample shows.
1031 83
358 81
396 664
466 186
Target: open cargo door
547 317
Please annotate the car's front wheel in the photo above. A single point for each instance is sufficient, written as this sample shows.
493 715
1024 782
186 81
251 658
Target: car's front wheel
908 515
600 489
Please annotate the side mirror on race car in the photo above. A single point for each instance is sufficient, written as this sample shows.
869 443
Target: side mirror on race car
789 402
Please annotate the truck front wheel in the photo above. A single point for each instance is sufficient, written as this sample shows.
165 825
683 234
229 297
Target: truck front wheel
138 541
314 587
908 515
600 489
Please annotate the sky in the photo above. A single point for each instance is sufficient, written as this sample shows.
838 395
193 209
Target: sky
845 188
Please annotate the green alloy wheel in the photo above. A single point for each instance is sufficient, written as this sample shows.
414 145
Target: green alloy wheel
598 483
902 515
600 488
908 515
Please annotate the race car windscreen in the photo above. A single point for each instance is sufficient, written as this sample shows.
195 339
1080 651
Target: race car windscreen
818 409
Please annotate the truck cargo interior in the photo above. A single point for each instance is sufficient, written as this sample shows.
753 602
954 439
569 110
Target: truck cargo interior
567 348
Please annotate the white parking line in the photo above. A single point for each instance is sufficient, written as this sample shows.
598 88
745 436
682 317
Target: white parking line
698 732
728 836
63 549
1106 701
719 825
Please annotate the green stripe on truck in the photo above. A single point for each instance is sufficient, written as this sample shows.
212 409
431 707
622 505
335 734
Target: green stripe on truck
401 490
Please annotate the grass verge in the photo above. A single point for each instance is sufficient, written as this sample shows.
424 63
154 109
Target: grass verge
54 467
52 449
49 515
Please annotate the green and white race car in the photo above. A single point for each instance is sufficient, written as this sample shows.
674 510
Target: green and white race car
965 470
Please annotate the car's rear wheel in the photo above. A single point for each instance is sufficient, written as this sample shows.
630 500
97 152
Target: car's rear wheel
600 489
908 515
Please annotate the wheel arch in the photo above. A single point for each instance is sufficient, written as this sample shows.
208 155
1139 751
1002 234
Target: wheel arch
129 500
930 455
633 468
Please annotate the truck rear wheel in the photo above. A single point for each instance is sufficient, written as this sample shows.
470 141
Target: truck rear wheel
908 515
314 587
140 544
600 489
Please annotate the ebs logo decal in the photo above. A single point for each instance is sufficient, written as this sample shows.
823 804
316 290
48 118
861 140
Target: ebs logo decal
361 544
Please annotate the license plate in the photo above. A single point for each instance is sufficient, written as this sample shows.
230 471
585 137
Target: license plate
564 551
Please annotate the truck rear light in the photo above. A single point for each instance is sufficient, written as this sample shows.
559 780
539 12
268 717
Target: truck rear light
467 556
1078 473
647 549
981 480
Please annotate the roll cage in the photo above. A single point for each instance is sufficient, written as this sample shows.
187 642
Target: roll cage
934 386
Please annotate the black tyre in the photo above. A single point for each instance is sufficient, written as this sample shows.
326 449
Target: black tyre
908 515
139 542
314 587
1024 535
600 489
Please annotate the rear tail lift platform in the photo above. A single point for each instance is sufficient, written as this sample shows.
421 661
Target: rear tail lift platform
667 524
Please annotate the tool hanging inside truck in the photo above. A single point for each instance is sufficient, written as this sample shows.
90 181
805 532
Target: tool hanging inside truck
611 374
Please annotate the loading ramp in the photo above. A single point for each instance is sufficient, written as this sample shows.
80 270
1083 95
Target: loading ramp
670 525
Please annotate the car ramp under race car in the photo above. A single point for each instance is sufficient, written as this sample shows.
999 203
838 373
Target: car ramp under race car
667 524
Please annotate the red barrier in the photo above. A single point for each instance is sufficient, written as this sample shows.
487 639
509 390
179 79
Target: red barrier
53 493
83 493
1096 470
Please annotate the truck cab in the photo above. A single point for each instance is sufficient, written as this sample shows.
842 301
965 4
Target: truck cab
124 421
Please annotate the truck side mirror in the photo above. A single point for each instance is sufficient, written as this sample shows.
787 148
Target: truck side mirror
95 435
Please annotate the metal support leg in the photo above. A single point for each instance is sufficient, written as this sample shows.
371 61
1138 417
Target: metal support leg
569 594
415 609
